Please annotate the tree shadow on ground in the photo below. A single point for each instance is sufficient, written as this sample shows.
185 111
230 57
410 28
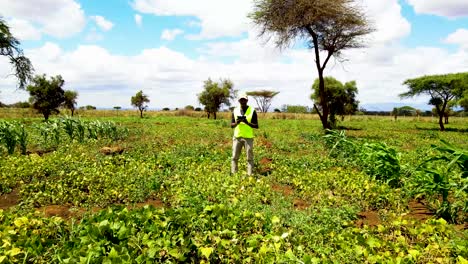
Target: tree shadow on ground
449 129
348 128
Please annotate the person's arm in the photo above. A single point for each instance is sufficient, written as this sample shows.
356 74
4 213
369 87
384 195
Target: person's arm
254 122
233 121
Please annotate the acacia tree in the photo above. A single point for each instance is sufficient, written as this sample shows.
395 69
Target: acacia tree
339 98
139 101
327 26
441 89
263 99
70 100
10 47
46 95
215 94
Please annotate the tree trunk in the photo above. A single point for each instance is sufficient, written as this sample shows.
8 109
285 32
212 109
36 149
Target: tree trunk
46 116
214 115
441 123
141 113
72 111
323 102
446 117
208 115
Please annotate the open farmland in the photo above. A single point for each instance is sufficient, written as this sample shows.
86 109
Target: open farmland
122 189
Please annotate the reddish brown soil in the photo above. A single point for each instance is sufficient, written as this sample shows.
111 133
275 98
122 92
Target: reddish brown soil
56 210
39 152
263 142
10 199
111 150
265 167
284 189
370 218
300 204
418 211
157 203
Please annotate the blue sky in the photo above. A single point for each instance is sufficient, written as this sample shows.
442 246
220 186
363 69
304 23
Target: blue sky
104 54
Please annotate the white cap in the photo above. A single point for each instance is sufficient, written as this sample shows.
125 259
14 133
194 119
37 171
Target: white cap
243 95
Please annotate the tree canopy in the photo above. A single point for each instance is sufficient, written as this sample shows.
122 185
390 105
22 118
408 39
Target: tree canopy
10 47
263 99
139 101
441 88
215 94
327 26
70 100
46 95
339 98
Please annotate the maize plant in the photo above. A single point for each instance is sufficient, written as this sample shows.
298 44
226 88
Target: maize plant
8 136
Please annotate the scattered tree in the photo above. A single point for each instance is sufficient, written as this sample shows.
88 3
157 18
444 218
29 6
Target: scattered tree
117 107
403 111
46 95
189 108
10 47
441 89
215 94
139 101
339 99
166 109
263 99
327 26
296 109
70 101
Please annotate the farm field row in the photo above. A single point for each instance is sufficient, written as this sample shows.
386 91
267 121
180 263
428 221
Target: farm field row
160 190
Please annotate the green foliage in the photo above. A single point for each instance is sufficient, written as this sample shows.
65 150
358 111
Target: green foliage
339 98
297 109
441 88
70 100
376 159
46 95
216 94
139 101
307 210
443 180
10 47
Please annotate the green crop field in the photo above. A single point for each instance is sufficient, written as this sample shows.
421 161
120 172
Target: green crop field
114 188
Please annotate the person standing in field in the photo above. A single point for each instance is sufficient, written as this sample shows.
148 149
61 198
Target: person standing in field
243 120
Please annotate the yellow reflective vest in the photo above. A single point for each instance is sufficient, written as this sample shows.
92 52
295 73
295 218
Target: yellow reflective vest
242 129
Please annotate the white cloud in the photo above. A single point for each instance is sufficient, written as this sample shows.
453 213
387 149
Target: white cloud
58 18
23 29
459 37
446 8
173 80
171 34
217 18
102 23
138 20
386 17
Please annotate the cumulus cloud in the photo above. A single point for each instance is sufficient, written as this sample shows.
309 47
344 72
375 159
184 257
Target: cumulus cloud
58 18
446 8
459 37
138 20
24 30
171 79
171 34
102 23
217 18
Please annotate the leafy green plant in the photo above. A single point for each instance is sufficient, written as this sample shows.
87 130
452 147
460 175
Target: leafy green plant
8 136
442 179
381 162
